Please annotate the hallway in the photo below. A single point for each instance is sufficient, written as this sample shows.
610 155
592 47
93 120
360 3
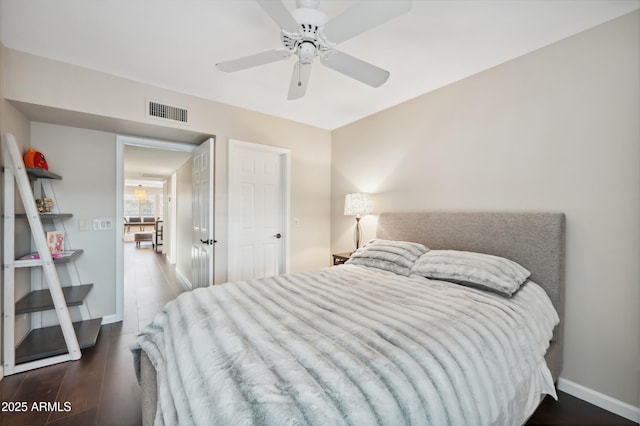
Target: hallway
149 283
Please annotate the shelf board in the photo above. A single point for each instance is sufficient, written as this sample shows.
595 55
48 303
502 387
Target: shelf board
41 300
49 341
33 259
42 173
46 216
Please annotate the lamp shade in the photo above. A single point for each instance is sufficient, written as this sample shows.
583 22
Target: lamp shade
140 193
357 204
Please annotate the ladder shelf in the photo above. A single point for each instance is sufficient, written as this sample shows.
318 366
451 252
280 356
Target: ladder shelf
48 345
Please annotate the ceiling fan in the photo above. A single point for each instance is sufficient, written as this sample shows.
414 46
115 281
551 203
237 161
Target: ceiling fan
307 32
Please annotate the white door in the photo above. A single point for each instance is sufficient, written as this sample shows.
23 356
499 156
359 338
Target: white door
202 211
258 200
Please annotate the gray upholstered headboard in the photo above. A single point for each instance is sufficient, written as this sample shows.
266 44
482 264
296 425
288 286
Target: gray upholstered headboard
536 240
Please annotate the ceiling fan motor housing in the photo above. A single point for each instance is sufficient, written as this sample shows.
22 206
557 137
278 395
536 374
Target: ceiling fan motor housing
305 43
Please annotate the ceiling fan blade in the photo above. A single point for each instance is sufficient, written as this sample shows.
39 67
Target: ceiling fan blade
280 14
299 80
362 17
355 68
253 60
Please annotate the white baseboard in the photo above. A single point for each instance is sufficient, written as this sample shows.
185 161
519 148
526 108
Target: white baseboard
1 373
184 282
601 400
109 319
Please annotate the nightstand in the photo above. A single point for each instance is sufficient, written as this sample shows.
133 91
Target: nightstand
340 258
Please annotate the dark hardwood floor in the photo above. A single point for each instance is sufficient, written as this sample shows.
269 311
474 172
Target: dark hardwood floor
569 410
101 389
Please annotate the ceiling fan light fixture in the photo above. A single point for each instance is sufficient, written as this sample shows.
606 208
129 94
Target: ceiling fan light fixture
306 52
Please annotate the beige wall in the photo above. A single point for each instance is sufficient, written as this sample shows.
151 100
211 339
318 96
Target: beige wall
86 161
13 121
557 129
35 80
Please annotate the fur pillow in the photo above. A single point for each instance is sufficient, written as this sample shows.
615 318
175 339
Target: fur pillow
479 270
394 256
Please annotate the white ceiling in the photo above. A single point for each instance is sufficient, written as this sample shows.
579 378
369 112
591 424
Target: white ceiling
151 166
175 44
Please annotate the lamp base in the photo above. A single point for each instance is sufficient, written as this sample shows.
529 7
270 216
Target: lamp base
357 233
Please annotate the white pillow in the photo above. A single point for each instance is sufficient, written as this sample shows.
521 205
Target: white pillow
480 270
394 256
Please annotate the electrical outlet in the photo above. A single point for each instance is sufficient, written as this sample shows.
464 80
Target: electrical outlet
102 224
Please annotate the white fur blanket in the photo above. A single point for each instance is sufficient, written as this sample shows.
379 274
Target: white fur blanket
349 345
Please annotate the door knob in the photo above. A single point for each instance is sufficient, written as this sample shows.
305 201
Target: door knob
278 235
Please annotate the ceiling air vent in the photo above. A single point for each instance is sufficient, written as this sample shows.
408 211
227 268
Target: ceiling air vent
167 112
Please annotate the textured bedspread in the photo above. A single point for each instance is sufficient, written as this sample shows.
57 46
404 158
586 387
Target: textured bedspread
349 345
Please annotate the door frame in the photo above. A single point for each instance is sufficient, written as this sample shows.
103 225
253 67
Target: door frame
285 155
121 142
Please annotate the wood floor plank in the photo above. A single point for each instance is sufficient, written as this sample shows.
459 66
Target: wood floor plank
82 384
121 395
569 410
79 418
38 387
9 385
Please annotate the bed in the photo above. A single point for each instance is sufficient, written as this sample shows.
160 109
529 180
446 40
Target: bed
365 343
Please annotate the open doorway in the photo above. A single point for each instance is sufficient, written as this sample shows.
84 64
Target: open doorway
149 191
152 166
